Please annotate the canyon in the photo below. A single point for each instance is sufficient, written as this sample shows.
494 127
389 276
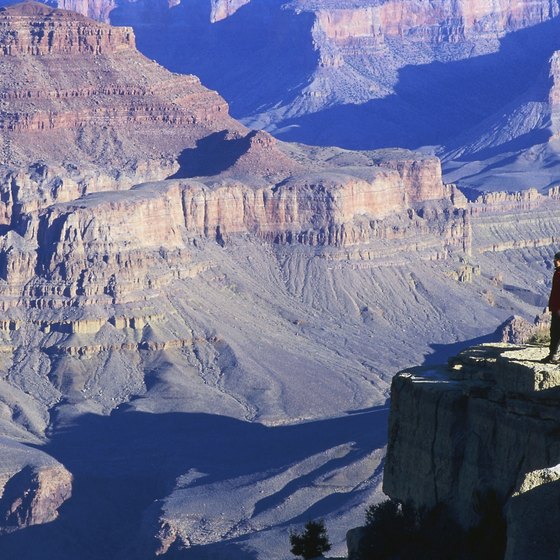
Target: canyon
469 81
472 82
199 321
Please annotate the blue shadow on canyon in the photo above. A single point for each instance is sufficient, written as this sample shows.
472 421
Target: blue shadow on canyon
124 462
262 55
212 155
434 103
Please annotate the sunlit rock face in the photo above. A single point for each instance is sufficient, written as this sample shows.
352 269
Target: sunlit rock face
222 9
468 77
435 22
367 74
84 94
487 423
38 30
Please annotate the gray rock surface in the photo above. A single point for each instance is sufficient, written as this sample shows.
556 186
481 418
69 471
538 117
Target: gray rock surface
488 422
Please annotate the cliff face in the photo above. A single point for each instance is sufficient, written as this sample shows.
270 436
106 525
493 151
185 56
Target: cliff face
37 30
98 9
167 275
84 94
87 248
489 422
222 9
435 22
365 75
33 497
97 116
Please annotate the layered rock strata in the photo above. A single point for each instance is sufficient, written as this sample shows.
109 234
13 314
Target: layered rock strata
489 422
34 29
109 245
87 103
502 221
33 486
435 22
211 291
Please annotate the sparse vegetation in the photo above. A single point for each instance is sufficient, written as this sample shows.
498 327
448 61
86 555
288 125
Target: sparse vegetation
396 531
312 542
541 337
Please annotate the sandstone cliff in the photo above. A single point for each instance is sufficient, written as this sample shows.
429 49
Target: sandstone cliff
105 246
83 95
488 422
33 487
364 74
436 22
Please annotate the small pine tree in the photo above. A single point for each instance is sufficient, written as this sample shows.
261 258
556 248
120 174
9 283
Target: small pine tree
313 542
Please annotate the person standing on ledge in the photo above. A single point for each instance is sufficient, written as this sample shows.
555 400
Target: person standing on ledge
554 308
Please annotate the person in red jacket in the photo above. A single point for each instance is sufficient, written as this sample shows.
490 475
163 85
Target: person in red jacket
554 308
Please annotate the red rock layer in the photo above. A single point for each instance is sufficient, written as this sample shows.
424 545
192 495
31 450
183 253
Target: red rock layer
107 246
439 22
34 29
77 92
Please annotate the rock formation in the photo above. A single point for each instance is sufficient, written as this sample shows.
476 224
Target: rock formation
37 30
176 289
33 498
33 487
93 98
487 422
373 74
222 9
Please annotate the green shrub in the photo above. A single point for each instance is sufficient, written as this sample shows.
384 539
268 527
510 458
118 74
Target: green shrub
396 531
313 542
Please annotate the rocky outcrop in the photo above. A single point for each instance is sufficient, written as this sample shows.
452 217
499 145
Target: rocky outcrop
502 221
33 485
508 202
488 422
33 496
106 246
37 30
222 9
90 115
95 9
435 22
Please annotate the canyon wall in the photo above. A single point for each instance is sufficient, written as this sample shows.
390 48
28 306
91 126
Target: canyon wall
487 423
355 74
503 221
167 275
93 99
435 22
84 248
38 30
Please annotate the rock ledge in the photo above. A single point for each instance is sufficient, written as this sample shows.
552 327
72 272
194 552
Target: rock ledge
488 421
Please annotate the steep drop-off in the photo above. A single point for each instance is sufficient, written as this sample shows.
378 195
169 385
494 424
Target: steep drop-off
489 422
359 75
